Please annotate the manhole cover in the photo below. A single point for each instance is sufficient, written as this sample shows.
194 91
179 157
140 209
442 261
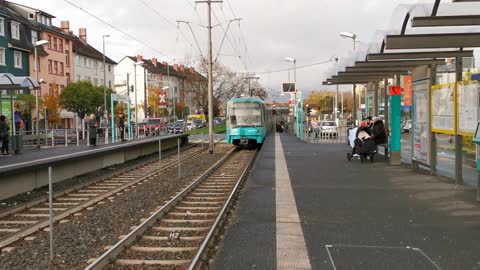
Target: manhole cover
344 257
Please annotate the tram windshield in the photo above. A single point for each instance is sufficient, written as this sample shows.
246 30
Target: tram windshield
244 114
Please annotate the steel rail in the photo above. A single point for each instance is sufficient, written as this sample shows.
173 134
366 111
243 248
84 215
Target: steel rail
77 187
217 225
110 255
9 239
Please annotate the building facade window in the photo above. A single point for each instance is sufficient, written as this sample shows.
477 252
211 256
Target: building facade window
55 67
67 58
2 56
2 26
77 60
55 44
50 66
49 45
17 58
60 68
68 78
109 84
60 45
34 37
15 30
95 81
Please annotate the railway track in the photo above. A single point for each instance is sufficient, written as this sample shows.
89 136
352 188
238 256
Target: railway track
19 223
179 234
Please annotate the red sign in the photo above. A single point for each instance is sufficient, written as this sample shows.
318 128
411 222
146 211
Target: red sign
407 90
395 90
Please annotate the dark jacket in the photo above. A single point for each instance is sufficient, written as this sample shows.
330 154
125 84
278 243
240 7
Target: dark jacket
379 134
4 128
121 122
92 129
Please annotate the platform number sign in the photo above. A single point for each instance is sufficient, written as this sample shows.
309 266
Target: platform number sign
395 90
174 236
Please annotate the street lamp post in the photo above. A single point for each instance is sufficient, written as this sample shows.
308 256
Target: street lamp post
354 38
294 61
139 63
105 111
37 124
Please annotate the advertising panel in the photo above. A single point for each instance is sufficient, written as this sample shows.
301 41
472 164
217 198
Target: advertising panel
407 90
443 108
421 122
468 103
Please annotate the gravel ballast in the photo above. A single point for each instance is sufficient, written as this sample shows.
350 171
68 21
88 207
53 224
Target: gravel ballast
85 236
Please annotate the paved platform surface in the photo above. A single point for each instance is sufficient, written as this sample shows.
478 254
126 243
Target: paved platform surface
352 215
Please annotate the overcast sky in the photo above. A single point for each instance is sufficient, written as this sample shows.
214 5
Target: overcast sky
270 30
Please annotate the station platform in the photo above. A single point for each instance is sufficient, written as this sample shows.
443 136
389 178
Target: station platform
29 170
305 206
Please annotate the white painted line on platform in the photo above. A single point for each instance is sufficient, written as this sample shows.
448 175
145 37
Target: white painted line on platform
291 248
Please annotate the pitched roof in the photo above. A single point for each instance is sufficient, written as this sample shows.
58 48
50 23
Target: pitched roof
85 49
161 68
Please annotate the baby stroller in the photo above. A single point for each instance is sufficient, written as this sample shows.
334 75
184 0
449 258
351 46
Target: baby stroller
362 143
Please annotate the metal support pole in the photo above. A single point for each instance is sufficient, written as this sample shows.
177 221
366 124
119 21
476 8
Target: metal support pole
211 148
335 107
159 153
433 136
458 137
354 107
105 111
375 100
145 94
136 107
37 121
66 138
178 158
50 210
210 74
385 111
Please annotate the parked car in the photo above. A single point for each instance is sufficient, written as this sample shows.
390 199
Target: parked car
179 127
197 123
171 127
153 126
407 126
219 121
189 126
326 128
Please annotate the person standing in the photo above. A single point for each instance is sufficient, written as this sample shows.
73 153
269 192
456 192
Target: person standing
4 128
121 126
92 130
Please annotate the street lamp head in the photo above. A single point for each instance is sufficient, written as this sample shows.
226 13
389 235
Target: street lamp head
165 87
289 59
41 42
348 35
42 81
236 19
106 36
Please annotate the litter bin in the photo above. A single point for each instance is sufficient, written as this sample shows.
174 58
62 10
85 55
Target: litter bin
18 143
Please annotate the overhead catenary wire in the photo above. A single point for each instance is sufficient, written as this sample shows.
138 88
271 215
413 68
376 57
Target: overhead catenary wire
247 57
166 20
118 29
228 39
288 69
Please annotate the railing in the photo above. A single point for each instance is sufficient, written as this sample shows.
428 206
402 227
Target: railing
327 135
24 140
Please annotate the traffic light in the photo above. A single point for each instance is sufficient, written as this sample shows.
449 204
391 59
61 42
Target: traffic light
131 88
274 109
149 111
309 110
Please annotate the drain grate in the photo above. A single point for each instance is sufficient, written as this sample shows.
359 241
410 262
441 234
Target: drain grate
351 257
